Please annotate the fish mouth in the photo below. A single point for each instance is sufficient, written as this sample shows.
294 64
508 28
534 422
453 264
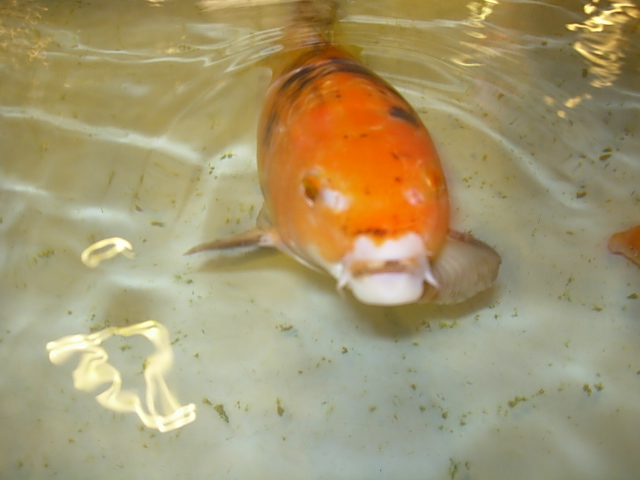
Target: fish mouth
391 273
387 286
373 267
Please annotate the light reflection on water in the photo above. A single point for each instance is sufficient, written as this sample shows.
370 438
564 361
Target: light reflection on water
604 38
137 120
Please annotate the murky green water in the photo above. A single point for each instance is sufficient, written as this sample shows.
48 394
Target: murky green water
137 120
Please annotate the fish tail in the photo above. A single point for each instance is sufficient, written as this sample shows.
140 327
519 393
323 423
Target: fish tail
311 23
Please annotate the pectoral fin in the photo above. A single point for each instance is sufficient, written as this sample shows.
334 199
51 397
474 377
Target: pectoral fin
263 235
465 266
256 237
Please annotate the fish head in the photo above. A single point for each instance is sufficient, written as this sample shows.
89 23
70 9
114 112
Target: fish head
376 234
374 231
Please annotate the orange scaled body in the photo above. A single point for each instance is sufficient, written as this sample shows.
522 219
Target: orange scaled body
344 154
353 185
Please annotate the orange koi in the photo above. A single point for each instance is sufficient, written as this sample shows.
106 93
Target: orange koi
353 185
627 243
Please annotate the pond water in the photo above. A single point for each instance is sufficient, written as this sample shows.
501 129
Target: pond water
136 119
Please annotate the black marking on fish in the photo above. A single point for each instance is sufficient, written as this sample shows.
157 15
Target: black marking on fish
350 66
376 232
298 79
268 129
304 72
404 114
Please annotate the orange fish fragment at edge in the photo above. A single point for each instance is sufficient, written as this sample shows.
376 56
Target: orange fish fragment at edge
627 243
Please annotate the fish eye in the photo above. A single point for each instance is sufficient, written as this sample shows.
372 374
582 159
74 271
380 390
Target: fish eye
311 187
316 190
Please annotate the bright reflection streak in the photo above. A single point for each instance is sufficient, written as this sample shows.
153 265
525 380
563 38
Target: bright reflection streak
106 249
603 38
479 12
93 371
18 29
207 5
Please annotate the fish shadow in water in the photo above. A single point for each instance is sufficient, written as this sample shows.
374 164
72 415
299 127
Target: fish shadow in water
261 260
392 322
417 319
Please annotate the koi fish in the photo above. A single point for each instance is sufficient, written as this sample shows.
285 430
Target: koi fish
627 243
353 185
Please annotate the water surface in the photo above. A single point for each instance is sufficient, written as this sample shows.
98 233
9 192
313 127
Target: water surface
137 120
